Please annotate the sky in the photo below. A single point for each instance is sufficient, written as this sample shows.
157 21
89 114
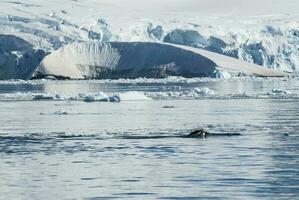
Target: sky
214 7
152 8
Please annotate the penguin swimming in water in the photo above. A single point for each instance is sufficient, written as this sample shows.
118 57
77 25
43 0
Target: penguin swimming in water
198 133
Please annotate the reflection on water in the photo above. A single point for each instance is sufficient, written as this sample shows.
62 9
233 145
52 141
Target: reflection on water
136 149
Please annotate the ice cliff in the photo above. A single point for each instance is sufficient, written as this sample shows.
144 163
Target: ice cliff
18 59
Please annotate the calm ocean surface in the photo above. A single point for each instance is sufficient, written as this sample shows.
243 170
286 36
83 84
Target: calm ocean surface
66 148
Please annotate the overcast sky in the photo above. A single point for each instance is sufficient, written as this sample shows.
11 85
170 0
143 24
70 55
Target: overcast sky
215 7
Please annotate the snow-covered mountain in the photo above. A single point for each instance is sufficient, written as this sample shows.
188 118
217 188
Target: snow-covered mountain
262 32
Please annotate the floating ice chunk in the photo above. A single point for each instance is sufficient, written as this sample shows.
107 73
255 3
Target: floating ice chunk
38 97
8 18
204 91
50 77
114 98
52 14
134 96
195 93
89 98
60 112
64 12
280 91
163 93
101 97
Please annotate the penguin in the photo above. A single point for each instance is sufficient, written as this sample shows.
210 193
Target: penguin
198 133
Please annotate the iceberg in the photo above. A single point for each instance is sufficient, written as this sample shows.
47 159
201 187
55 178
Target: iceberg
94 60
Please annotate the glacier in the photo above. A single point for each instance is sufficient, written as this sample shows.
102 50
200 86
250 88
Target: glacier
18 59
253 33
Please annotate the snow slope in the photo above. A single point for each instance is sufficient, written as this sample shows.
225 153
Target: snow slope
262 32
142 59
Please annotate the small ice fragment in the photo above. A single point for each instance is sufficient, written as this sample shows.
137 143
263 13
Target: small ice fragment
89 99
280 91
168 107
50 77
60 112
52 14
8 17
204 91
114 98
42 97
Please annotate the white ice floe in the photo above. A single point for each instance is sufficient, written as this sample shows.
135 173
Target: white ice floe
88 97
204 91
100 97
196 93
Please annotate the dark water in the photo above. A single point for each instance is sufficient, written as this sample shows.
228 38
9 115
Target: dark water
136 149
